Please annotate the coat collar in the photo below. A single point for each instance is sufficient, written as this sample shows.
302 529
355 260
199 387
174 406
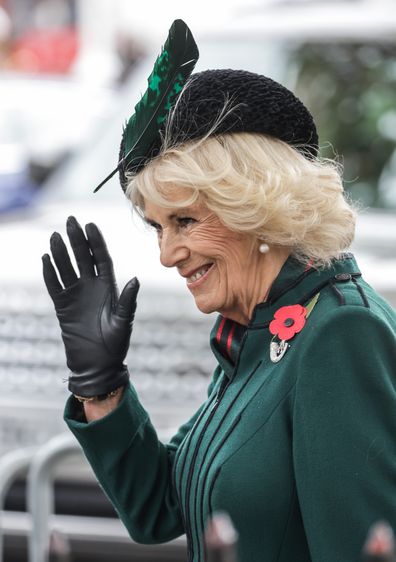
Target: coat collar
295 284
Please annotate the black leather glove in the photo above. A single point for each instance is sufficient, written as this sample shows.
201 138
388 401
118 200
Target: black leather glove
96 323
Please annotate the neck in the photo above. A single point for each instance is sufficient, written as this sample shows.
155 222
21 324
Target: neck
256 283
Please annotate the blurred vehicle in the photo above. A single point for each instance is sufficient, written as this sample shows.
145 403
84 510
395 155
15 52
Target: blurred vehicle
168 330
45 50
17 187
42 121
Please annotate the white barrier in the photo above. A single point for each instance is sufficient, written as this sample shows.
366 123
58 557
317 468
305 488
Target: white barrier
12 464
40 493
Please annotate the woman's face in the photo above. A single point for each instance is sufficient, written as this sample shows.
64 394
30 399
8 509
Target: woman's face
222 268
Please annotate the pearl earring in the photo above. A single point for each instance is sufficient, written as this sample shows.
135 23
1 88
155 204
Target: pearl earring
264 248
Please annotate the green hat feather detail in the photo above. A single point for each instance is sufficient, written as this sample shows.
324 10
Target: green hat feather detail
171 71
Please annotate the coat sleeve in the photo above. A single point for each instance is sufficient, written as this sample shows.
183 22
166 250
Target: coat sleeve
344 431
133 467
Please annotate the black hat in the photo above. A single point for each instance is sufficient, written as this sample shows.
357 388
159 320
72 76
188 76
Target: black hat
187 106
256 104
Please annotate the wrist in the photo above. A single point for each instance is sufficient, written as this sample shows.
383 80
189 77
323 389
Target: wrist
100 397
97 409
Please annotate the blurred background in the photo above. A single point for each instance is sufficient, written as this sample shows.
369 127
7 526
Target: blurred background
71 72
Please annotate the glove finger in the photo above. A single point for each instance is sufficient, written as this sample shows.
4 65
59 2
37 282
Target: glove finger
50 277
127 302
102 258
80 246
62 260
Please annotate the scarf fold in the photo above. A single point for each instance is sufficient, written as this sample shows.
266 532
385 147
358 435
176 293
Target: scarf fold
228 337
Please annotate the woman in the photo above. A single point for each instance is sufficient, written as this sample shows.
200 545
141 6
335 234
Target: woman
296 439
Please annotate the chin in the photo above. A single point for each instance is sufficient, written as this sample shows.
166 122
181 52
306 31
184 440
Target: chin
206 307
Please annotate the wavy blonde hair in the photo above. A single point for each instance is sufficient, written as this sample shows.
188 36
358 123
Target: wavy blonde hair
257 185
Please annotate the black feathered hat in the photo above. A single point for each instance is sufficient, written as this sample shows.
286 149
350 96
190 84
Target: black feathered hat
257 105
234 100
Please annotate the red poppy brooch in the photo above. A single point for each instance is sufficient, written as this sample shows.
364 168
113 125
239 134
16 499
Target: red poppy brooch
288 321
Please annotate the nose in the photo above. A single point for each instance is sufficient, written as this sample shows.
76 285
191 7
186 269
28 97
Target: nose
173 249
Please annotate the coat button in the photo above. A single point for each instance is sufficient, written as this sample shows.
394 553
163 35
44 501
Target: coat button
343 277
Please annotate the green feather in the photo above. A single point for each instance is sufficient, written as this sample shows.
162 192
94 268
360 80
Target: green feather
171 70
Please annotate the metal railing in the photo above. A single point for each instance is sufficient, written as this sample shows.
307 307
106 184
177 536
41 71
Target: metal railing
12 465
44 530
40 491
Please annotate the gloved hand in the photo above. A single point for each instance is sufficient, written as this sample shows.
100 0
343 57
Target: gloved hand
96 323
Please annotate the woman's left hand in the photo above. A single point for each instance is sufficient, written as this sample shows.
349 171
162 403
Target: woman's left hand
96 322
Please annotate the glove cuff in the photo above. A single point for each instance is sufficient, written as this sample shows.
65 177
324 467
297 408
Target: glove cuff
95 384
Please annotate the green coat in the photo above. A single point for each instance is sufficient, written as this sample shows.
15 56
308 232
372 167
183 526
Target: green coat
301 453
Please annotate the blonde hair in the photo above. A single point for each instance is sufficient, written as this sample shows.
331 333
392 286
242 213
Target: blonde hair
256 185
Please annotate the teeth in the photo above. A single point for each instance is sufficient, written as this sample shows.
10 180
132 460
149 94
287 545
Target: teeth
197 275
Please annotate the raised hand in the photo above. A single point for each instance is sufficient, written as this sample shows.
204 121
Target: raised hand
96 322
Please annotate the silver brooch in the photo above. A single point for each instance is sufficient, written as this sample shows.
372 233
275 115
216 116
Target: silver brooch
277 350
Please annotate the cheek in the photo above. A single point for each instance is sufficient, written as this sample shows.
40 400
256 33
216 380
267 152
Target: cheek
215 240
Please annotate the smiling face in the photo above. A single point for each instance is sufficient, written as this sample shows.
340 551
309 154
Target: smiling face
223 269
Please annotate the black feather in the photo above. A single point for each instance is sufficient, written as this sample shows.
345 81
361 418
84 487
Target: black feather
171 70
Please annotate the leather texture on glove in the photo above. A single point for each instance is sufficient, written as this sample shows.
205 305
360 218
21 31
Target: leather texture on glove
96 322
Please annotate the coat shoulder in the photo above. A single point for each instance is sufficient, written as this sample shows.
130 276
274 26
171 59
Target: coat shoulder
348 301
348 339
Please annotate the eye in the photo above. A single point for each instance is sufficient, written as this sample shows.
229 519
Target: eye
185 221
